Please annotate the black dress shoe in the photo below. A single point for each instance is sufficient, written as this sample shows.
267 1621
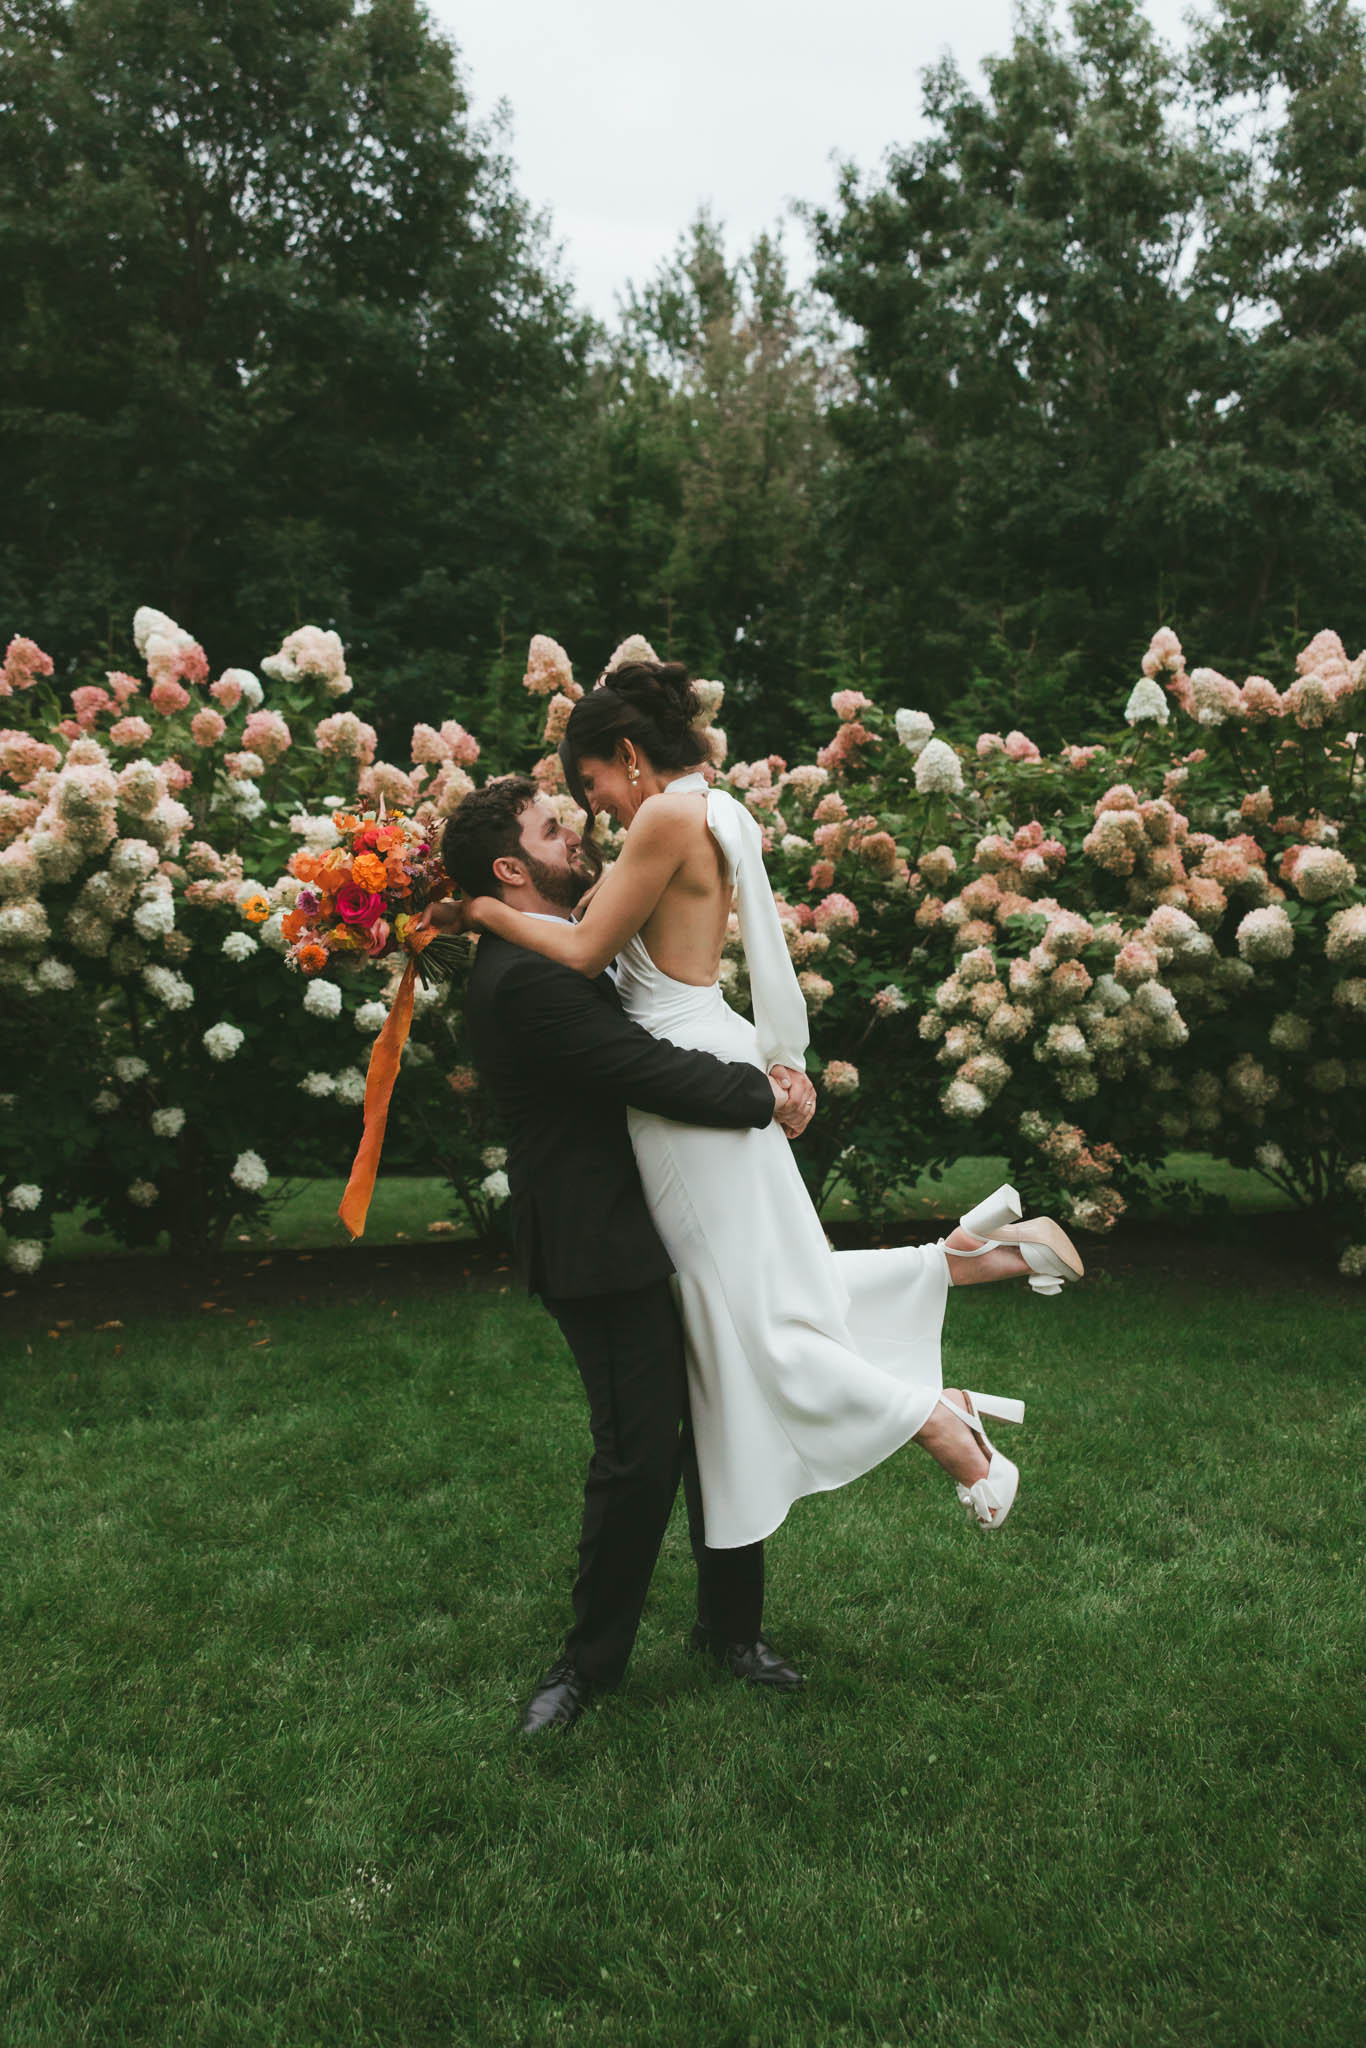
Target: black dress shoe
558 1700
757 1663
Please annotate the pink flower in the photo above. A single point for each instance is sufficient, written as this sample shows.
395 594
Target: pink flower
22 756
88 702
840 1077
548 667
265 733
1077 758
358 906
464 748
379 938
207 727
25 661
836 914
168 696
70 728
548 774
130 732
847 704
1260 700
1164 651
822 875
429 746
227 692
556 718
989 743
124 687
1020 748
175 775
879 850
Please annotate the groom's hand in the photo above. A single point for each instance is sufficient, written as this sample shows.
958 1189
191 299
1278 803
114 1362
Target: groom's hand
796 1104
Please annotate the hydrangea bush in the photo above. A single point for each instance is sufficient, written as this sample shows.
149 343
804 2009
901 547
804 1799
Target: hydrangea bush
1155 940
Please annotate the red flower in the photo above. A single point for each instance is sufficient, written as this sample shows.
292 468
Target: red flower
358 906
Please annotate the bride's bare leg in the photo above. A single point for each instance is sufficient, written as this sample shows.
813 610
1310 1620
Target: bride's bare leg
1003 1262
951 1443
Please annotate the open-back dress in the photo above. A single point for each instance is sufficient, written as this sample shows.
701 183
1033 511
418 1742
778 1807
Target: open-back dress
806 1366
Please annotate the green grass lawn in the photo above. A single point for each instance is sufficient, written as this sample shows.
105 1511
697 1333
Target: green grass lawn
274 1596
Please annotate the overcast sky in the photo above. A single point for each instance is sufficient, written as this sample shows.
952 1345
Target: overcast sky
627 116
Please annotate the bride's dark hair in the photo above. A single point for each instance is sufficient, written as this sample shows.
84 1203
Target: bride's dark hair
650 703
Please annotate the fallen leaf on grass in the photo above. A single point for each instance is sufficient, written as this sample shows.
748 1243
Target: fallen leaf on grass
258 1343
440 1228
113 1324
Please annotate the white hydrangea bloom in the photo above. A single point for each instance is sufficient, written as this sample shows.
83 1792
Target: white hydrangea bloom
171 990
129 1069
155 915
494 1157
318 834
167 1123
370 1017
238 946
1352 1264
914 729
221 1041
142 1193
1147 704
24 1254
132 860
253 696
1355 1178
938 769
963 1099
1270 1158
323 999
318 1084
272 933
429 996
25 1196
351 1087
1266 934
495 1186
54 975
250 1172
105 1103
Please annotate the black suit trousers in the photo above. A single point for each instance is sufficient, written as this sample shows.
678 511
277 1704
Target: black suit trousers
629 1351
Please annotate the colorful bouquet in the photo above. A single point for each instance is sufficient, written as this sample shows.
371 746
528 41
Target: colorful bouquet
363 899
360 898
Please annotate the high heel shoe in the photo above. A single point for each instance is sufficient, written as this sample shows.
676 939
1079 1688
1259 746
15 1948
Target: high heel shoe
1045 1247
989 1500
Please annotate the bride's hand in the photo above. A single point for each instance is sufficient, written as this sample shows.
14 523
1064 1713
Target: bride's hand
447 916
797 1104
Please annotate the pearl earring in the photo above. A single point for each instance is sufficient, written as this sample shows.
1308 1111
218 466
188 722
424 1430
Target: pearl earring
633 773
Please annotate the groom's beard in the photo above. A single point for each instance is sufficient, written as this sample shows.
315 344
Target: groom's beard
561 886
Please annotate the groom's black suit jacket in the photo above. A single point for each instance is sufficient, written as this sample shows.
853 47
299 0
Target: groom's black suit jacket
562 1062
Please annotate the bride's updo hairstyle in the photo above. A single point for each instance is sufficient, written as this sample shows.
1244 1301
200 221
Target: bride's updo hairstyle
651 704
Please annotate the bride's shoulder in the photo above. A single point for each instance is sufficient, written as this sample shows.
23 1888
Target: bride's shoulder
669 817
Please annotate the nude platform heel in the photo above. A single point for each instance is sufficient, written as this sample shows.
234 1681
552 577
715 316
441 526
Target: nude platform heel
1047 1250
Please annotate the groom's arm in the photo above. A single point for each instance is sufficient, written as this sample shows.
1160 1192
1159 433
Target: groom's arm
579 1039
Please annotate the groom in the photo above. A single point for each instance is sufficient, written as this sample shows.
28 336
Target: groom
562 1062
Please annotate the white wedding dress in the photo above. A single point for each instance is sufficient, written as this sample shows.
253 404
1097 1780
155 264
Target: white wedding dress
806 1366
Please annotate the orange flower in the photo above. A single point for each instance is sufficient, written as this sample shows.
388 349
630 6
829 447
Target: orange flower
311 957
303 866
368 871
256 909
344 821
397 881
347 938
294 925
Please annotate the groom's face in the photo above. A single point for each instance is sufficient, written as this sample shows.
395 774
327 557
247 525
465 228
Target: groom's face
550 855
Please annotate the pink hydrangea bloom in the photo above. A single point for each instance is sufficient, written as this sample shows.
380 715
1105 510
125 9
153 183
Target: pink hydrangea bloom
836 914
1021 748
989 743
226 692
25 662
464 747
816 990
840 1077
1164 651
130 732
548 667
265 733
822 875
124 687
847 704
342 737
1077 758
88 702
831 807
207 727
1260 700
169 696
22 756
556 718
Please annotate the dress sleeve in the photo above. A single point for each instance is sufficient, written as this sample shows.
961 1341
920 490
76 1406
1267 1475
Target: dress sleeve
779 1005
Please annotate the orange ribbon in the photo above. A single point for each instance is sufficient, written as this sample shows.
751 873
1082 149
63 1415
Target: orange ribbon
379 1087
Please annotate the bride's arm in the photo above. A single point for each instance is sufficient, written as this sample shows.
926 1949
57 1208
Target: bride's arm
621 902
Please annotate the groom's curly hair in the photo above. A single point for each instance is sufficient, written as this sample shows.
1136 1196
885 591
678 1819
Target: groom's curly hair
486 827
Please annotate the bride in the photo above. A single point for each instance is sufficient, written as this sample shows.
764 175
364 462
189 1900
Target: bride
806 1366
